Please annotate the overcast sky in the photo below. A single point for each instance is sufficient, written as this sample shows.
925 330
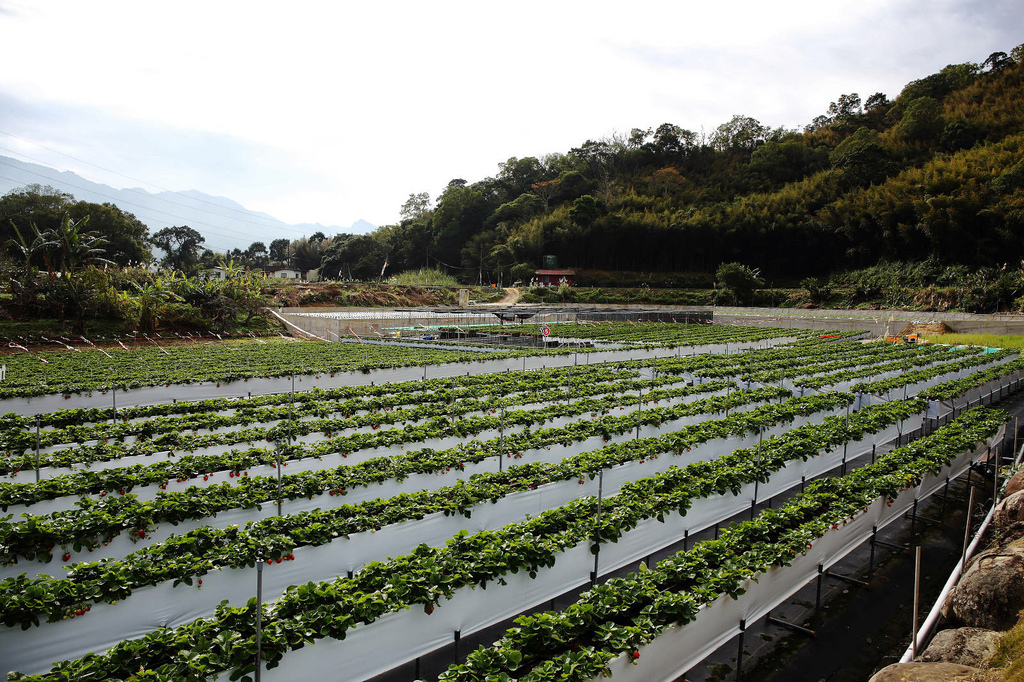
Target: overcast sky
334 111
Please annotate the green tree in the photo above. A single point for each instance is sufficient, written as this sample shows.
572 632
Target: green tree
585 210
358 257
741 132
876 100
279 251
921 121
257 254
517 211
307 254
39 205
786 160
739 280
846 107
73 248
75 284
416 206
672 142
126 237
461 212
149 301
862 158
517 176
181 245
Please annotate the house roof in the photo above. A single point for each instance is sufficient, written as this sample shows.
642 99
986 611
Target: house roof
555 272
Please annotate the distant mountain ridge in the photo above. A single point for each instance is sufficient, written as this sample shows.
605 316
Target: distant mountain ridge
224 223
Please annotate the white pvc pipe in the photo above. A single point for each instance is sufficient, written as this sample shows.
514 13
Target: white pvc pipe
954 578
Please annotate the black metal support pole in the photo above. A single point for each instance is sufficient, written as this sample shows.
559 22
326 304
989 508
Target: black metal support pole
913 522
849 580
772 620
817 597
757 474
37 449
259 618
945 494
597 527
739 656
871 561
639 410
686 540
501 439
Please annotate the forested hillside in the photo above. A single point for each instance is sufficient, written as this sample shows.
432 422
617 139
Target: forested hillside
935 173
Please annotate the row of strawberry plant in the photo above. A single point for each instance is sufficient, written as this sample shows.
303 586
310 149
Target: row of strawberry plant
122 479
89 370
478 384
883 386
759 364
313 612
800 360
927 356
869 355
32 374
96 522
377 396
254 490
949 390
167 433
622 615
193 554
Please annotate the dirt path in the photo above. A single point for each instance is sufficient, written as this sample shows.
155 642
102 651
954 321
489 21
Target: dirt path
512 296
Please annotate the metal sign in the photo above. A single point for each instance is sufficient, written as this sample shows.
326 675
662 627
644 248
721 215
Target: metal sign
546 331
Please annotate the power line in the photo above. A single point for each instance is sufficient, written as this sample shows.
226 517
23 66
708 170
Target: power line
213 228
275 224
211 246
151 184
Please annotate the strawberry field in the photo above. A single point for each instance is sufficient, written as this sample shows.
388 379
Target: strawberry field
390 515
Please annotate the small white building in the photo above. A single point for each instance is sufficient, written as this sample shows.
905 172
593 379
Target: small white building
281 272
215 273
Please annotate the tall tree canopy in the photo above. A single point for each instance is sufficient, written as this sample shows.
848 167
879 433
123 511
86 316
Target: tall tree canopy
181 245
125 237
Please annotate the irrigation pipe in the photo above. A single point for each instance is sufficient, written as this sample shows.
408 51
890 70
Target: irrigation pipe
292 325
954 578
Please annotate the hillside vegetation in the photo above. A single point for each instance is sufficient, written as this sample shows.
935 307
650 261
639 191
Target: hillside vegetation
937 173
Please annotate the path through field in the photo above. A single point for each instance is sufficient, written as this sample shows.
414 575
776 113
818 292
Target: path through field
512 296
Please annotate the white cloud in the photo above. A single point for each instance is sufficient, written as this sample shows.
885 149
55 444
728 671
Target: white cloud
328 112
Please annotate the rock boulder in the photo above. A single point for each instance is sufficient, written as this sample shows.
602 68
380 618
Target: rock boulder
1016 483
931 672
1010 510
990 594
972 647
